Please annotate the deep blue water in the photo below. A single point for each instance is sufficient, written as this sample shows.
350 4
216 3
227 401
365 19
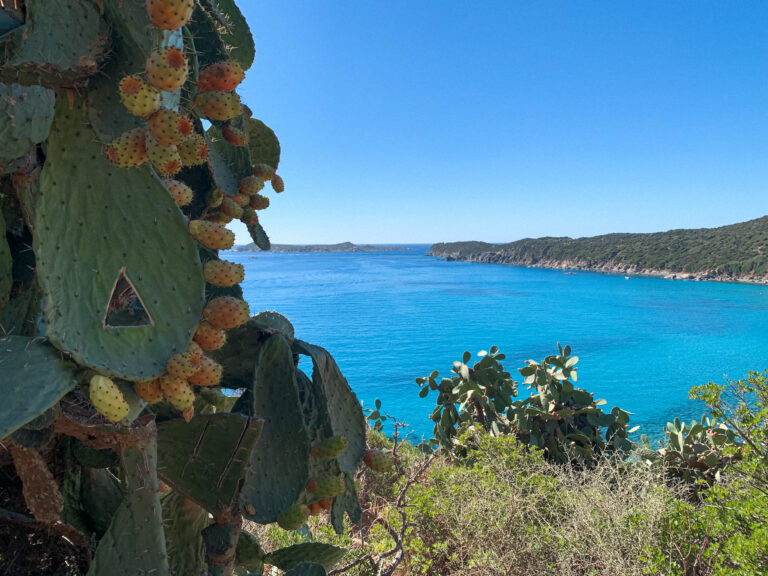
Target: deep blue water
388 317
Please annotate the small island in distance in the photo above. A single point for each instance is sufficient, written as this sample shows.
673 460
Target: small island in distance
733 253
341 247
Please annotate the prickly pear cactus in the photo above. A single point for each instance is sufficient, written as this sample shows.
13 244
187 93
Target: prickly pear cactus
125 151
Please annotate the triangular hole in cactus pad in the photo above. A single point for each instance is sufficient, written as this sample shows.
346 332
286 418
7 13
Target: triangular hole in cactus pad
125 308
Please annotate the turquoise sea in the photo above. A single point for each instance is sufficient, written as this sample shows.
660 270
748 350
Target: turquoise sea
388 317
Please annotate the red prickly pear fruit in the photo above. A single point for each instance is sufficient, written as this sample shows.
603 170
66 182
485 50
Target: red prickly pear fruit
250 185
235 136
107 398
177 391
149 391
138 97
259 202
226 312
167 69
328 487
182 194
331 448
193 150
325 503
277 184
315 509
220 77
218 105
169 127
231 208
211 235
209 337
170 14
222 273
129 149
183 365
215 198
378 461
209 374
164 159
263 171
311 486
293 518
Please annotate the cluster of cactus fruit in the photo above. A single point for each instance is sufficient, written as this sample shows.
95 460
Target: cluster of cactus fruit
122 327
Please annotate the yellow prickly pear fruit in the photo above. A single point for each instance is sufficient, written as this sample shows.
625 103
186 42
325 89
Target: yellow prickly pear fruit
194 348
277 184
169 127
129 149
226 312
259 202
209 374
242 199
149 391
330 448
209 337
107 398
211 235
293 518
182 194
165 159
177 391
218 218
328 487
138 97
215 198
263 171
220 77
222 273
235 136
167 69
378 461
250 185
231 208
170 14
218 105
183 365
193 150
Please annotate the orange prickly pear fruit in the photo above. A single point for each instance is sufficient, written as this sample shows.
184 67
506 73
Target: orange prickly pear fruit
293 518
209 337
315 509
167 69
242 200
250 185
169 127
277 184
149 391
209 374
170 14
263 171
218 105
107 398
259 202
193 150
222 273
183 365
211 235
165 159
235 136
177 391
330 448
378 461
138 97
220 77
129 149
226 312
182 194
326 504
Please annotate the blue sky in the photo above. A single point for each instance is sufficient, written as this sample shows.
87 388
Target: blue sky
440 120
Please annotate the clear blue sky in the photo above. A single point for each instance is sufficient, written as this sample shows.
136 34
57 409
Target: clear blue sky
439 120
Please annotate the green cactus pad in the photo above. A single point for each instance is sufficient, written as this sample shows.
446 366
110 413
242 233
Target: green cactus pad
307 569
239 357
33 377
346 415
259 236
222 172
26 114
318 552
6 266
209 48
249 555
98 226
280 463
184 522
263 144
348 502
273 321
100 497
237 158
236 33
205 459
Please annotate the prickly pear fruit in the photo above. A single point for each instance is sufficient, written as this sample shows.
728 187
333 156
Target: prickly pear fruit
165 159
249 217
222 273
193 150
325 503
293 518
107 398
330 448
177 391
242 199
129 149
149 391
138 97
315 509
235 136
194 348
263 171
226 312
211 235
182 194
167 69
250 185
231 208
209 374
169 127
209 337
277 184
219 218
220 77
328 487
259 202
218 105
311 486
170 14
183 365
378 461
214 199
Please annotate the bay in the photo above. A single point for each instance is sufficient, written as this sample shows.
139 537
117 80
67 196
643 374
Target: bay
388 317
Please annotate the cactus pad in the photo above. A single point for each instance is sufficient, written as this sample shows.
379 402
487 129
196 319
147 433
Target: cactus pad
236 32
347 502
26 114
319 552
307 569
263 144
184 521
6 266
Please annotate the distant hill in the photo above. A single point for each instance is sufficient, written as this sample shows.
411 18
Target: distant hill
342 247
738 252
